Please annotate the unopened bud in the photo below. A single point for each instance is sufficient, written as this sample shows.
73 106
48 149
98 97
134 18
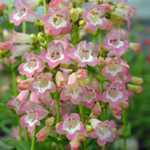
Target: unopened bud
49 122
137 80
89 128
75 13
135 88
81 22
136 47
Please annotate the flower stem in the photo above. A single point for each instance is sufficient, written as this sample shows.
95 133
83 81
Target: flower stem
56 97
124 121
57 110
24 27
103 147
33 141
81 112
45 6
125 144
13 80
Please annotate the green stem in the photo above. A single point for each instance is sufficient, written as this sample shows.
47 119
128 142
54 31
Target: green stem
45 6
103 147
124 121
81 112
24 27
13 78
33 141
20 133
125 144
57 110
27 137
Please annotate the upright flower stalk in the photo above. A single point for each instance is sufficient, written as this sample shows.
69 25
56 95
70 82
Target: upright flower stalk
71 72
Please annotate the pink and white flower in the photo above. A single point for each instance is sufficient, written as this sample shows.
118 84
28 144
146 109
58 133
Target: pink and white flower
125 11
42 84
116 68
117 96
18 43
32 66
34 114
21 15
90 96
116 42
71 126
17 102
95 17
103 131
7 45
57 22
85 54
56 53
73 94
25 3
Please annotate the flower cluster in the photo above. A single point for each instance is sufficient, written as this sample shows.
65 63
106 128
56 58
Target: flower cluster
78 69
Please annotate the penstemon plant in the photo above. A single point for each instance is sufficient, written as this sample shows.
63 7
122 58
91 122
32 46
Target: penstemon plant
72 83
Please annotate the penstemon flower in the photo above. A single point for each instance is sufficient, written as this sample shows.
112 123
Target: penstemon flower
116 42
103 131
95 17
42 84
57 53
116 68
71 126
32 66
117 96
57 22
25 3
23 12
85 54
34 114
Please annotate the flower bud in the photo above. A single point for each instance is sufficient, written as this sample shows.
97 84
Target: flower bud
135 88
49 122
42 134
75 13
137 80
81 22
136 47
89 128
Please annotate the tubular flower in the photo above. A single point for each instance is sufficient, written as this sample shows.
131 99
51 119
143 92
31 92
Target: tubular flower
116 68
90 94
85 54
17 102
21 15
56 53
116 95
23 12
125 12
116 42
42 84
71 126
57 22
34 114
103 131
95 17
25 3
32 66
